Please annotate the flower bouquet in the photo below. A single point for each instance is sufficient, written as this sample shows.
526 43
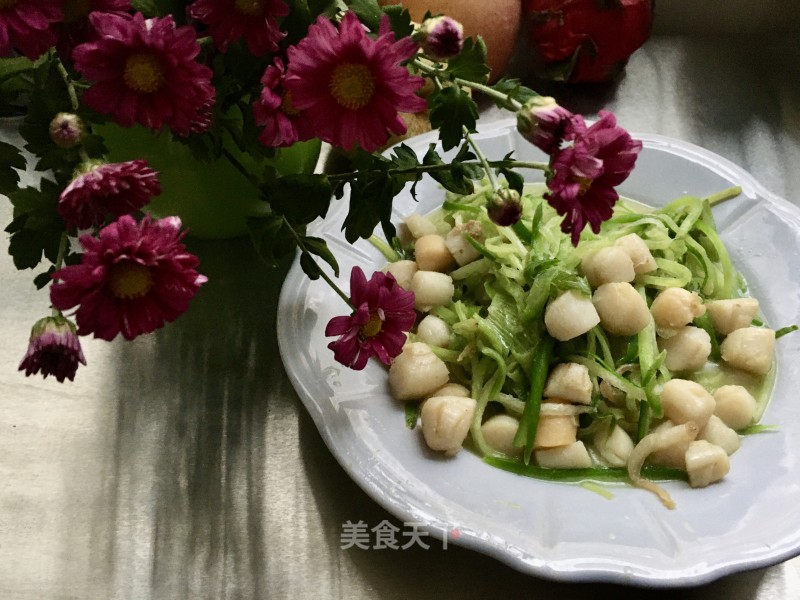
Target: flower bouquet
243 83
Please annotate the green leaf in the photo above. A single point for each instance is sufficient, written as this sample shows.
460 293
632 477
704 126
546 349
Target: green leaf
470 64
271 238
514 90
368 12
454 179
451 111
10 159
309 266
515 180
371 196
301 198
400 20
43 279
319 247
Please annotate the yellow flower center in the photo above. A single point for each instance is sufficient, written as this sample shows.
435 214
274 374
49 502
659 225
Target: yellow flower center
130 280
144 73
252 8
352 85
75 10
585 183
373 326
286 104
7 3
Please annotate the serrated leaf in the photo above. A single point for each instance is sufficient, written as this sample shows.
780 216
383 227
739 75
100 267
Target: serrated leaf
10 159
301 198
371 197
271 239
470 64
368 11
453 181
514 90
319 247
400 20
404 157
43 279
452 110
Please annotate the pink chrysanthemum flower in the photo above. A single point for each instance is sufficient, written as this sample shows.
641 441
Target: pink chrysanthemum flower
585 174
253 20
283 124
54 349
27 26
384 312
133 278
544 123
351 87
144 72
75 28
107 189
441 38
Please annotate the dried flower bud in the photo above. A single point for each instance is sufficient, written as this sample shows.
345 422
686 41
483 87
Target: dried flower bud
543 123
54 349
66 130
441 38
504 207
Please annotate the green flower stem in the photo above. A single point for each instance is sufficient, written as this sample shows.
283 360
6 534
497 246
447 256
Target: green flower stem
63 244
482 158
444 167
436 73
73 95
322 273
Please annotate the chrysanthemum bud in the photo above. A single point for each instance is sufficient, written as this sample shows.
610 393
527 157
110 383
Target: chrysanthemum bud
504 207
66 130
441 38
543 123
54 349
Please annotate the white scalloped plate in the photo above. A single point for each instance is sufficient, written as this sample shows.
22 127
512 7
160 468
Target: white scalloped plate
563 531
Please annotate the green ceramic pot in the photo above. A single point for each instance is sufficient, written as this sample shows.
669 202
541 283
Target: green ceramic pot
213 199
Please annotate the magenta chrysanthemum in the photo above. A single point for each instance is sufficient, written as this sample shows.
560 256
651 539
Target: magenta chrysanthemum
586 173
283 124
253 20
108 189
75 28
383 313
27 26
133 278
351 87
54 349
144 72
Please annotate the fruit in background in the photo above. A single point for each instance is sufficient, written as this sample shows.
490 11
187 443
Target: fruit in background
585 40
497 23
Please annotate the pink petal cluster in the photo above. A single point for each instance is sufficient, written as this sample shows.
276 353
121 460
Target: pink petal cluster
383 313
350 87
585 174
54 349
283 124
253 20
107 189
144 71
133 278
441 38
27 26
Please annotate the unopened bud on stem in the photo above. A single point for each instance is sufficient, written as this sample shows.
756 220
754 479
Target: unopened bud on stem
543 123
66 130
504 207
441 38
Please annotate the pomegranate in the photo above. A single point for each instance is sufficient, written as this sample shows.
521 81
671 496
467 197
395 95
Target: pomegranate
585 40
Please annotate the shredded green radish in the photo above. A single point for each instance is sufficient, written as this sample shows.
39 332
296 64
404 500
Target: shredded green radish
501 351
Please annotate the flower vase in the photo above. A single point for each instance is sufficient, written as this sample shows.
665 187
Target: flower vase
213 199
